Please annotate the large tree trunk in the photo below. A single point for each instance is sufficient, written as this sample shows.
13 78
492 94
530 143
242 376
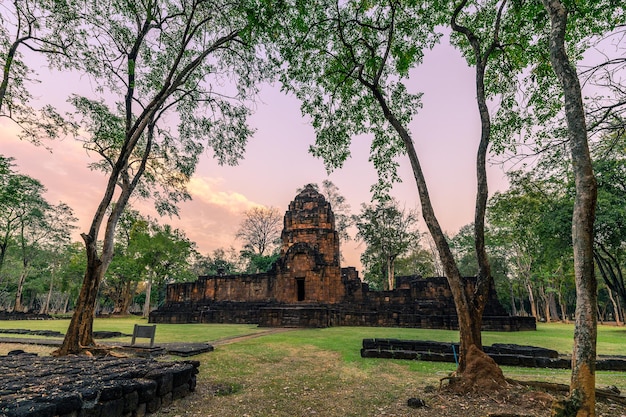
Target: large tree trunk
80 331
582 386
464 309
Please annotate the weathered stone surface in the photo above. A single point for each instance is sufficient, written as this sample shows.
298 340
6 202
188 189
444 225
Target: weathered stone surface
307 287
503 354
34 386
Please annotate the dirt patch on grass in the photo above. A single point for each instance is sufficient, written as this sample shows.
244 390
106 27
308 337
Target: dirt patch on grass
38 349
280 380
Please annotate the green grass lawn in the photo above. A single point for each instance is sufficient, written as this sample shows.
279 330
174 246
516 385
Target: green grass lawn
296 372
557 336
165 332
346 343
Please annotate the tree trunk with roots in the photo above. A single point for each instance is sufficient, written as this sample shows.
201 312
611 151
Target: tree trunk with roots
582 386
469 314
80 331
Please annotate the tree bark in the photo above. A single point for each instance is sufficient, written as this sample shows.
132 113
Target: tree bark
146 306
80 331
531 299
616 308
484 280
463 306
563 306
512 296
582 386
46 306
20 289
554 312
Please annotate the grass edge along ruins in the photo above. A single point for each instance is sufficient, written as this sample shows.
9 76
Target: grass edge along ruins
307 287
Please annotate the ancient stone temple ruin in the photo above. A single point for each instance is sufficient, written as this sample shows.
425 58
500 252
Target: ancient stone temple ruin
307 287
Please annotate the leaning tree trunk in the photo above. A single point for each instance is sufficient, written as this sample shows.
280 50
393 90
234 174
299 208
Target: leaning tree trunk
582 386
531 300
20 289
457 285
616 309
80 331
46 306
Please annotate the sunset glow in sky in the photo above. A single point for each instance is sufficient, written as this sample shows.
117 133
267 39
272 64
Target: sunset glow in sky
446 133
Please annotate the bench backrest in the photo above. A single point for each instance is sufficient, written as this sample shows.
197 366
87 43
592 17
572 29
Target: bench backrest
145 332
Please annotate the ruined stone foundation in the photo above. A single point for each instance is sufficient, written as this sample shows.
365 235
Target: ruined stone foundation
307 287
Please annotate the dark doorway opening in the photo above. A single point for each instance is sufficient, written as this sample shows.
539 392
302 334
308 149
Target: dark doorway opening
300 288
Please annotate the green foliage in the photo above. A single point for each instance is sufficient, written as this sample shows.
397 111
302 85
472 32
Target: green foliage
30 227
224 261
45 27
259 263
339 57
388 232
418 261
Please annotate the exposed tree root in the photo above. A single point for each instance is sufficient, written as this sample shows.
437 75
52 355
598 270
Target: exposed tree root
481 374
603 393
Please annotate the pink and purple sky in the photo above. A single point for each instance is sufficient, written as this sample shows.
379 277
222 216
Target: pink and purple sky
445 131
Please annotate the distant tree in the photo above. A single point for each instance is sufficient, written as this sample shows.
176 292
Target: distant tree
57 291
165 254
417 261
220 261
530 223
341 209
388 232
609 154
20 199
71 274
43 228
158 60
260 230
126 269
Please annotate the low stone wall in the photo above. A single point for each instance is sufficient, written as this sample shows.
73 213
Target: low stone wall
18 315
502 354
34 386
418 315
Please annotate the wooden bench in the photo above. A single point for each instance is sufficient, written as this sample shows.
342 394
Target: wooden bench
144 332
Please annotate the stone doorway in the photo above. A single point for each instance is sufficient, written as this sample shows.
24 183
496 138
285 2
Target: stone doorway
300 289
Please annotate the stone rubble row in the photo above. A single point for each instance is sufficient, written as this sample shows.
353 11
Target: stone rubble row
81 386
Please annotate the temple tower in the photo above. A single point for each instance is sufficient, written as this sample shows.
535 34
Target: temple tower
309 270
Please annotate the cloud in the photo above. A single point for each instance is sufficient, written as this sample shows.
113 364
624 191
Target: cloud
208 191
